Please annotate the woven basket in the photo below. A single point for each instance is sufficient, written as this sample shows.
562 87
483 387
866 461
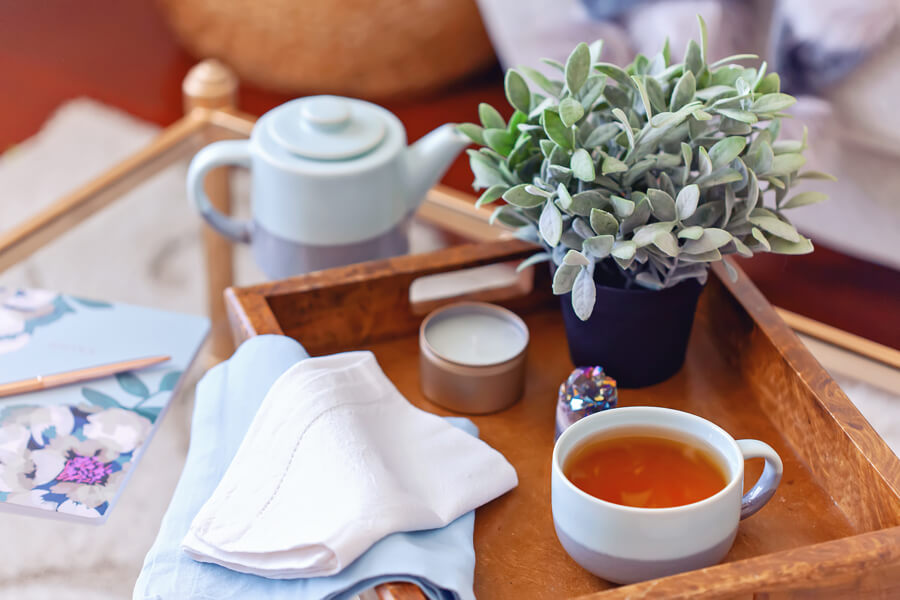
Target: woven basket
368 48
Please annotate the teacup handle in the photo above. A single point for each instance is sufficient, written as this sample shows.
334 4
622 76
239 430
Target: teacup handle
218 154
764 488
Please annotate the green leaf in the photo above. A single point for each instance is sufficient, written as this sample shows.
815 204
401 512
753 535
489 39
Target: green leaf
599 246
761 238
733 58
582 165
684 91
645 98
130 382
703 37
517 91
601 135
815 175
771 83
583 202
576 258
596 48
693 58
518 118
616 73
547 147
592 90
785 164
490 195
622 207
603 223
686 202
626 126
802 246
666 242
532 260
637 218
718 177
644 236
499 140
490 118
662 204
776 227
617 98
565 199
742 248
99 398
712 239
551 87
506 215
623 249
584 293
804 199
760 158
472 131
691 233
656 94
578 67
726 150
554 63
169 381
519 196
704 162
570 110
738 115
556 129
550 224
564 279
612 165
770 103
485 171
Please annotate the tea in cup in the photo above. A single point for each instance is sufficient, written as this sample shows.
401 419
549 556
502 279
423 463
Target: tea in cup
644 492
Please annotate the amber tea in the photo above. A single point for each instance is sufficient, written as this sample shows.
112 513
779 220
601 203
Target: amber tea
645 471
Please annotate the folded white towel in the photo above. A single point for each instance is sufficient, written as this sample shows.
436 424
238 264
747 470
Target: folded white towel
334 460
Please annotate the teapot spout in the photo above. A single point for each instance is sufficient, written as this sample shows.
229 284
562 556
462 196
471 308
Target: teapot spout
429 158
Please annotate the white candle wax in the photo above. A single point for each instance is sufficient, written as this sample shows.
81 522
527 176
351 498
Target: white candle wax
470 335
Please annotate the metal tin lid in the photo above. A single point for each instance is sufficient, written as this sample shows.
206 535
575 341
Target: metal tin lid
327 127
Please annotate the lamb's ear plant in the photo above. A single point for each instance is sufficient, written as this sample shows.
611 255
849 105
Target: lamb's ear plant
655 170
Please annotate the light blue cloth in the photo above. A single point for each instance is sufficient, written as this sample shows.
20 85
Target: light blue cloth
440 561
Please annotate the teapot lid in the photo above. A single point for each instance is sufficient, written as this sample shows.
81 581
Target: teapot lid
327 127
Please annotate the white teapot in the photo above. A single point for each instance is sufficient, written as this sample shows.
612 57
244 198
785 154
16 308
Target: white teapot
333 183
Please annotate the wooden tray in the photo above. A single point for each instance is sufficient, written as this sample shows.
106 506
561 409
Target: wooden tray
831 531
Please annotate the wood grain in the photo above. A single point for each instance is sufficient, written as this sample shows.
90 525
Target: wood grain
745 371
211 85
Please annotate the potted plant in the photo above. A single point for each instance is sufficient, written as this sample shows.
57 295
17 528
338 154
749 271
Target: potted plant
634 180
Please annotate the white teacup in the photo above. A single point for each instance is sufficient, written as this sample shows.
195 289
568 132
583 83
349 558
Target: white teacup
624 544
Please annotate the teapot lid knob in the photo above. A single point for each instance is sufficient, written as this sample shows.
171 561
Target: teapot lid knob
326 113
327 127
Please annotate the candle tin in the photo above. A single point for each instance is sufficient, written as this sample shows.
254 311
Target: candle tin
472 388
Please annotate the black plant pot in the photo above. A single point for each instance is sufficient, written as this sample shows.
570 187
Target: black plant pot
638 336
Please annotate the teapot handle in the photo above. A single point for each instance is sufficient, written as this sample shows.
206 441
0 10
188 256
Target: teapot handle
218 154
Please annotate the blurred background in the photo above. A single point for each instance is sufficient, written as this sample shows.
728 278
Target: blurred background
432 62
84 84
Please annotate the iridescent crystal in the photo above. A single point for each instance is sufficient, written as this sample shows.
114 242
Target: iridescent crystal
587 390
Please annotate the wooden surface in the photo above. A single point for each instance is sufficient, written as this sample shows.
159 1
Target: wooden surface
838 506
122 54
213 86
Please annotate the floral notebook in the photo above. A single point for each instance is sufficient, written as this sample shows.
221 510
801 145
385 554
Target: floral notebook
68 452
